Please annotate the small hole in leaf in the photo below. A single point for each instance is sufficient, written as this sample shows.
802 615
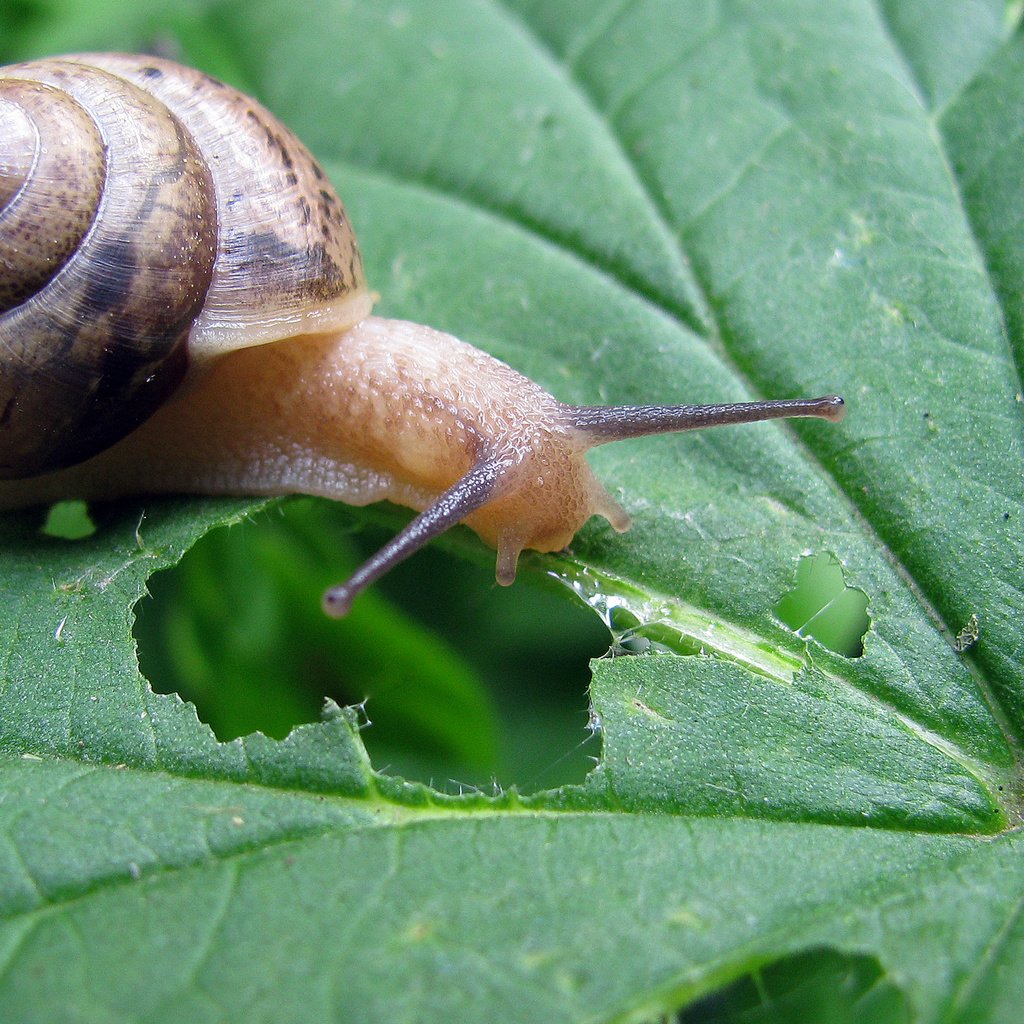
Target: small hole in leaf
69 520
466 683
823 607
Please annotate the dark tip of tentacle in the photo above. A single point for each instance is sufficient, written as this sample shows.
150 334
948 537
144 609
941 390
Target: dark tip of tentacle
337 602
833 407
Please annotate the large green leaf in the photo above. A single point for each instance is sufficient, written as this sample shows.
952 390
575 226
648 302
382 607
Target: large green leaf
675 201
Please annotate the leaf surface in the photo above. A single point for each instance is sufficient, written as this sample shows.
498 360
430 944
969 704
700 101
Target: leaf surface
644 202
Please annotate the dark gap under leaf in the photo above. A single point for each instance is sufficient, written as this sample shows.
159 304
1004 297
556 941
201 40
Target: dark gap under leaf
818 985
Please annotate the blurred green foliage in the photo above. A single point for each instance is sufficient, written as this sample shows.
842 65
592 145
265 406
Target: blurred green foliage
819 986
463 682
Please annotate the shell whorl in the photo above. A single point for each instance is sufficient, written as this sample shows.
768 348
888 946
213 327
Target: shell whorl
150 216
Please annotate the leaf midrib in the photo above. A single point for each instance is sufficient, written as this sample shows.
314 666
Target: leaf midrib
388 816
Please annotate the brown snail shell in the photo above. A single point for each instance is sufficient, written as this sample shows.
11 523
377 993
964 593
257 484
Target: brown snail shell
149 215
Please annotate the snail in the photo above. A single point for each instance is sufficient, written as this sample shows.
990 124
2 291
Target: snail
183 309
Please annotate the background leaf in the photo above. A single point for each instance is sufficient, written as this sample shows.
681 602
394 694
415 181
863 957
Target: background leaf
630 202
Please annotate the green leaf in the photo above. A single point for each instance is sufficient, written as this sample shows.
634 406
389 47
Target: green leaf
644 202
692 737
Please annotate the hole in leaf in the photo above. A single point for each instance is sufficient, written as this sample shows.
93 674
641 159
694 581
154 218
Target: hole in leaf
69 520
823 607
820 985
466 683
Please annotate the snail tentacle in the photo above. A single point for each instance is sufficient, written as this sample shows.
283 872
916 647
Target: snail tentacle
604 424
473 491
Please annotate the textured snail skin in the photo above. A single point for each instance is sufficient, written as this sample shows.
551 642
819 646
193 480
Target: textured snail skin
386 410
226 305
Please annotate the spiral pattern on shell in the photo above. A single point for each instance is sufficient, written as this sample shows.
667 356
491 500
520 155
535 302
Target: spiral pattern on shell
151 218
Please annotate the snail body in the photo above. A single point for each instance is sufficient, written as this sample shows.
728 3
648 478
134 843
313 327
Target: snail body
183 309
